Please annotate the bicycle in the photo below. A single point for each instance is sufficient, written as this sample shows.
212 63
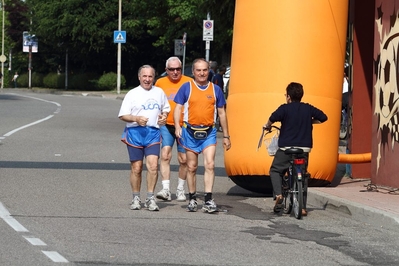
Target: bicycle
294 185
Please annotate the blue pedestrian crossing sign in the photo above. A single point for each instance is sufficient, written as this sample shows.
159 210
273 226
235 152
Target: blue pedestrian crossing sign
119 36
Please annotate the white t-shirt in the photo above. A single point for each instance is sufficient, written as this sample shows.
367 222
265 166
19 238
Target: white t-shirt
148 103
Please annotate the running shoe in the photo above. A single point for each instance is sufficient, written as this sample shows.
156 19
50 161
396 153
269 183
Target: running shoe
209 206
164 194
192 206
180 195
136 203
151 204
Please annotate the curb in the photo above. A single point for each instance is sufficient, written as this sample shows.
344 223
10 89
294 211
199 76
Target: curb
365 214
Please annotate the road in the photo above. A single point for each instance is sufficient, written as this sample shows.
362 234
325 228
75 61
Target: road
65 195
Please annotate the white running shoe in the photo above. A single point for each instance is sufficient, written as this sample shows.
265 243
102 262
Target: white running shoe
136 203
209 206
151 204
164 194
180 195
192 206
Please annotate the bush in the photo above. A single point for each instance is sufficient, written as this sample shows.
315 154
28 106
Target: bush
53 80
82 81
23 80
36 81
108 81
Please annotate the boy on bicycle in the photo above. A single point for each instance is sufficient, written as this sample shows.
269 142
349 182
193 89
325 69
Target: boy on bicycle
296 131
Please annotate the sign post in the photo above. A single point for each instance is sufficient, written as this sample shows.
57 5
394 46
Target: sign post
207 35
184 51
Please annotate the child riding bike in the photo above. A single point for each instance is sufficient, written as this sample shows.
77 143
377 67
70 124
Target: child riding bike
296 131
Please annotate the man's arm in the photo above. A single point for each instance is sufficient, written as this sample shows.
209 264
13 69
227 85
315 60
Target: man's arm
225 128
176 119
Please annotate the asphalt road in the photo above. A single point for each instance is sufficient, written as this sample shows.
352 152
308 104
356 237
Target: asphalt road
65 194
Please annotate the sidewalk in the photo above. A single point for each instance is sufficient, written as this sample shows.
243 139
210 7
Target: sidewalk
357 198
361 200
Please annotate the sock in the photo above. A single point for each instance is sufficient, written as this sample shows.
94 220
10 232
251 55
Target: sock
180 185
208 196
165 184
150 194
192 196
136 194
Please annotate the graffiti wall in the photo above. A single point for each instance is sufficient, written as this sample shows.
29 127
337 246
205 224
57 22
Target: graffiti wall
385 151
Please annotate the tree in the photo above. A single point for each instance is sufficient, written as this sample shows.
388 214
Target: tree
86 28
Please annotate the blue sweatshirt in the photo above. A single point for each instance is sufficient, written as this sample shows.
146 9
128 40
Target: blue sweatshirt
296 123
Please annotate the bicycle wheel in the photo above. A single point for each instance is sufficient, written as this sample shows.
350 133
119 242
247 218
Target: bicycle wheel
287 204
287 197
297 198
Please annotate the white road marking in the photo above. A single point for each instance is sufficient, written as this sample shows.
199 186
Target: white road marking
28 125
35 241
6 216
55 256
36 122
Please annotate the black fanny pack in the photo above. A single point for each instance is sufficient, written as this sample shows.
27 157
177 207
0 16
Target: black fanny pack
198 132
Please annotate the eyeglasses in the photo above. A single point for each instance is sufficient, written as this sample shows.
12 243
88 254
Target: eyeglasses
171 69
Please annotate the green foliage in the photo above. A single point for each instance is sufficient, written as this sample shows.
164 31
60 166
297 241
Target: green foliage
37 79
108 81
22 81
54 80
82 81
82 31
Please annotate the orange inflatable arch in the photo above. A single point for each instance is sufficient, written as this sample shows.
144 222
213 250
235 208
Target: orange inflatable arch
275 43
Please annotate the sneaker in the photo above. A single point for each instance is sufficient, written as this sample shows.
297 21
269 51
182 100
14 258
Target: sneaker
136 204
151 204
192 206
209 206
180 195
164 194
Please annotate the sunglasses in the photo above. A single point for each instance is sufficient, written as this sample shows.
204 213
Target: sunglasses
178 69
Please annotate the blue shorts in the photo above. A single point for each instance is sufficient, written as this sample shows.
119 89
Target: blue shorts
197 145
142 141
168 139
137 154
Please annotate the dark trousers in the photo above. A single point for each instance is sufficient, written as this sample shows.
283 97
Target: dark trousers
279 168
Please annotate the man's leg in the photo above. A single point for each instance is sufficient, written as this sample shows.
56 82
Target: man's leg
192 165
152 178
209 178
182 158
135 183
166 156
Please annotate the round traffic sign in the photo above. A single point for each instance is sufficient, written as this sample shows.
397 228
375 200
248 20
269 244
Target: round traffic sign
3 58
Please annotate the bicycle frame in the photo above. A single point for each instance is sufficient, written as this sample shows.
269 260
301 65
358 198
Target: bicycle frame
294 185
294 188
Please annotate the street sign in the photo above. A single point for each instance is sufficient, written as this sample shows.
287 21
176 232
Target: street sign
119 36
178 47
208 30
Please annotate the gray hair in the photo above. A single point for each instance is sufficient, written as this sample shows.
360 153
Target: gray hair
173 58
146 66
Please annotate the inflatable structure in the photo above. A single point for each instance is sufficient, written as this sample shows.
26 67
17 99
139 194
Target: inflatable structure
275 43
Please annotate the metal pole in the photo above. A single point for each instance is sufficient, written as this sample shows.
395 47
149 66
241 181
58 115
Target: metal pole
30 64
66 69
2 48
118 64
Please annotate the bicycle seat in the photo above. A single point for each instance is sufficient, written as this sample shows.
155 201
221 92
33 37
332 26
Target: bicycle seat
293 150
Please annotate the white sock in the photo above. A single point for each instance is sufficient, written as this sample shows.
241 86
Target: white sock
166 184
181 183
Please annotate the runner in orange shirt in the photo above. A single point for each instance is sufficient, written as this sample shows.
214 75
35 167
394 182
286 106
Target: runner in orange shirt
170 85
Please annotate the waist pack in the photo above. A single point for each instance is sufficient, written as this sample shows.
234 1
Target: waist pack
198 132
